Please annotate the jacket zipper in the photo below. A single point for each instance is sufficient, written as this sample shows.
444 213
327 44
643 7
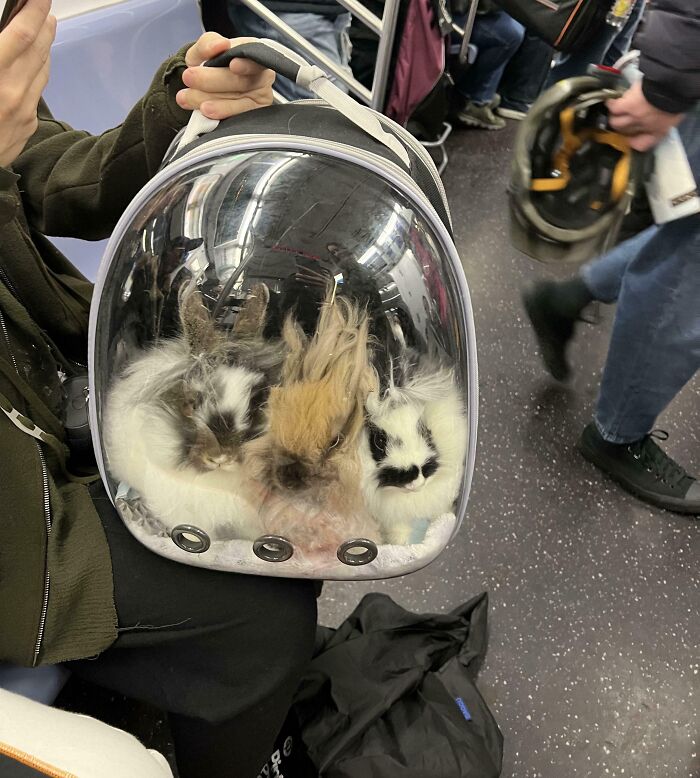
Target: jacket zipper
7 282
46 498
5 333
47 579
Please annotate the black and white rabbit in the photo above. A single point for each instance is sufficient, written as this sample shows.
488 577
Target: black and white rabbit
176 419
415 441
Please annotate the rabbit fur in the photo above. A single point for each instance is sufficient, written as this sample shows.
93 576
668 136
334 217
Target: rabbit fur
176 420
413 448
308 456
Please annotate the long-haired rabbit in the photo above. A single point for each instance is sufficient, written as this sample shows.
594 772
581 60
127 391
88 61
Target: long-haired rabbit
413 448
308 456
176 420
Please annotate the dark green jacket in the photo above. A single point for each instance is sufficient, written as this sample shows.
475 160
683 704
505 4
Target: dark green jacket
56 594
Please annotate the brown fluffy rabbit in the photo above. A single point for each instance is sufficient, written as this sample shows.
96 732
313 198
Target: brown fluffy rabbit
308 456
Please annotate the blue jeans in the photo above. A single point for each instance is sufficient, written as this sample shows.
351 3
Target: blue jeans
655 344
329 35
607 48
497 36
525 74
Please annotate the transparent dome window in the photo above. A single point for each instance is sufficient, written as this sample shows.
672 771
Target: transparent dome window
281 370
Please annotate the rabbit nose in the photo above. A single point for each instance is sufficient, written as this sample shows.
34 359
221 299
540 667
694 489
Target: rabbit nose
291 473
415 485
215 460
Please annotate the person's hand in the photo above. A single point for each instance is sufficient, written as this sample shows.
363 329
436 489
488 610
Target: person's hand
633 115
25 45
223 92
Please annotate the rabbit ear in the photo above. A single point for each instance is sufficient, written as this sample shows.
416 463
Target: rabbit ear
250 321
197 326
296 342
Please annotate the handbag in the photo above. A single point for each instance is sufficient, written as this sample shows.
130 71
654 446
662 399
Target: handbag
564 24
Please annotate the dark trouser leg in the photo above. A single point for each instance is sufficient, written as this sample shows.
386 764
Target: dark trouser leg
497 36
525 74
219 651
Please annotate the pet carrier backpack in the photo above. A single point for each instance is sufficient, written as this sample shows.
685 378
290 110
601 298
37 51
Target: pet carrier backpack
282 354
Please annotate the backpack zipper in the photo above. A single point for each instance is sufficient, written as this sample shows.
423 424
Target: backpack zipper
34 762
350 153
46 499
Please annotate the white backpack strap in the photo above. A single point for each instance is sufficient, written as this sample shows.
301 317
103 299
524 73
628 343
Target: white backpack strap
285 62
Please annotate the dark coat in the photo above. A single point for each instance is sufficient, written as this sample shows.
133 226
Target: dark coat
56 593
670 46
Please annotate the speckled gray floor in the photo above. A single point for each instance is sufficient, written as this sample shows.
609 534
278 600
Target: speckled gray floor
594 653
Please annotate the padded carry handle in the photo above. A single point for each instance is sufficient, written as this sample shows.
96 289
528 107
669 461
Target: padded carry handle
284 62
288 63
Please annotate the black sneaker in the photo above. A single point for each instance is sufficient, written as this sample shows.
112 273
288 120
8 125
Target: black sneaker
553 328
644 470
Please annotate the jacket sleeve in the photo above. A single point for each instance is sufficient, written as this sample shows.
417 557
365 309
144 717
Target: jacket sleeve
77 185
670 47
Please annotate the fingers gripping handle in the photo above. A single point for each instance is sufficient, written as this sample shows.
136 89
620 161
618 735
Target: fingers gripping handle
267 53
288 63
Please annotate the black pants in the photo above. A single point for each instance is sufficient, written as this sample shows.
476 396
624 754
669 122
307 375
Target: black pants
221 653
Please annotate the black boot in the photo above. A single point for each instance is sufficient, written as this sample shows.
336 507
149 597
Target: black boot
644 470
553 309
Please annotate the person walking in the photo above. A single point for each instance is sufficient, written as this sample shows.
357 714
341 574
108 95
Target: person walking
654 277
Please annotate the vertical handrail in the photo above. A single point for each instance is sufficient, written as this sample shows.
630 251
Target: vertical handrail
386 41
310 50
465 33
385 28
468 29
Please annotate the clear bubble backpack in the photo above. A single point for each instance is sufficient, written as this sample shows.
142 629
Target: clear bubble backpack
283 364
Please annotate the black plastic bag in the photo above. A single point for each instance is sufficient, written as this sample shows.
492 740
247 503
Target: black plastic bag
391 694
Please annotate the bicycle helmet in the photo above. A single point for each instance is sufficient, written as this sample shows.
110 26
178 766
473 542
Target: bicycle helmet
572 176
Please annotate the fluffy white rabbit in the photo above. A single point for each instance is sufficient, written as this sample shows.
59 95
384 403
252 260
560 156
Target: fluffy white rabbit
175 436
175 421
413 451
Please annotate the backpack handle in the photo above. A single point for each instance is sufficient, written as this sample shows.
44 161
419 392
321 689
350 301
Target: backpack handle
289 64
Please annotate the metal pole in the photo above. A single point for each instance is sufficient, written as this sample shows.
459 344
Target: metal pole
468 28
311 51
364 15
386 40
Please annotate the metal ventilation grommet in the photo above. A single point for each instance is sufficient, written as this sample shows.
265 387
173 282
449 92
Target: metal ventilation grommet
273 548
357 552
190 538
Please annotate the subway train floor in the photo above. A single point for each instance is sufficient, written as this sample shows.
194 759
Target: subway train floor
593 663
594 652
